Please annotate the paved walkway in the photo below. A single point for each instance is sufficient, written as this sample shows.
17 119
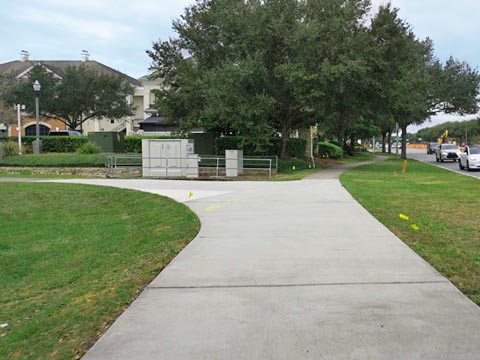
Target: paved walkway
290 270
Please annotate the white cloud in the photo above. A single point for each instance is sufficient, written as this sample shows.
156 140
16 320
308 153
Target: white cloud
102 30
122 8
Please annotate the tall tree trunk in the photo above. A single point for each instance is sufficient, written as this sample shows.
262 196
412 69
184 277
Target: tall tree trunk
341 137
352 144
389 142
384 149
404 142
285 137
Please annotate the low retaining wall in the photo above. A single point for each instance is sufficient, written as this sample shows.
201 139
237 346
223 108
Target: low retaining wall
81 171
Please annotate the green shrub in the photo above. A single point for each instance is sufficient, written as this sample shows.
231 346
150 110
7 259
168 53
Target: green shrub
286 166
10 148
329 150
297 148
57 144
133 144
88 148
228 143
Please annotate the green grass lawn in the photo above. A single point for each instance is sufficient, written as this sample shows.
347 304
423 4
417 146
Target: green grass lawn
443 205
358 157
73 257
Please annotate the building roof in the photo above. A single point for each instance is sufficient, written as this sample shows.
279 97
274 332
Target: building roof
58 67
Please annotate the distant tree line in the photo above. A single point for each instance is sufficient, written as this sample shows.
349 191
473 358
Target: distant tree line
261 68
462 131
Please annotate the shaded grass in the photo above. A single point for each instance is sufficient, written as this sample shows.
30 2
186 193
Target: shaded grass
358 157
293 176
73 257
445 206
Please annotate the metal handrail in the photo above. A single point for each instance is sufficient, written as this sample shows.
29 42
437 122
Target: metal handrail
114 161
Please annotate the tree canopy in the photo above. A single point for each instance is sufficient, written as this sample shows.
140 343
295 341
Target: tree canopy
8 114
80 94
260 68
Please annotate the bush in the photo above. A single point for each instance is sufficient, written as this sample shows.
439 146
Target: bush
286 166
297 148
329 150
10 148
133 144
57 144
88 148
228 143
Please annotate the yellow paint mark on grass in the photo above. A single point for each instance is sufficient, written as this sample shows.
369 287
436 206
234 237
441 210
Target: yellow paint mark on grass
403 217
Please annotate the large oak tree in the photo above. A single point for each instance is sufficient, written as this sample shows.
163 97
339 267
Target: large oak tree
262 67
80 94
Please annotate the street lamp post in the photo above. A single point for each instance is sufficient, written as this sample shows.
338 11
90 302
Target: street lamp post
19 108
37 144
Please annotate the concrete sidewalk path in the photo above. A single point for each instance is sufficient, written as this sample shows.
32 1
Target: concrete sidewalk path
290 270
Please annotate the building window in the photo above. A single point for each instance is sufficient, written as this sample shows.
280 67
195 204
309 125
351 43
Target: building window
31 130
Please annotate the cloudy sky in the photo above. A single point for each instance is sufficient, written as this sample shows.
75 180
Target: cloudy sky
117 32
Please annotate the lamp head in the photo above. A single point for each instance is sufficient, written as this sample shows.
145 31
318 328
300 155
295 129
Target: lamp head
37 86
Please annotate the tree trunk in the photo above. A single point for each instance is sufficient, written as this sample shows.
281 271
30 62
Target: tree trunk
285 137
384 149
352 144
404 142
389 140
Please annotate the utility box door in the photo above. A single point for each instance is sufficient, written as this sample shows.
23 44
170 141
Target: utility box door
169 158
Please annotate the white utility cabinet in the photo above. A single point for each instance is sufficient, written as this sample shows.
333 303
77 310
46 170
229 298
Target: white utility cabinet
169 158
233 162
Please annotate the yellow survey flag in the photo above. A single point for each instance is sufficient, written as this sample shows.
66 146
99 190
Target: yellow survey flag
190 194
415 227
404 217
294 168
404 166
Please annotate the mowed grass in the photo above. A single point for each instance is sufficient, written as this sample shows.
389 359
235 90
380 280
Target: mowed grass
443 205
73 257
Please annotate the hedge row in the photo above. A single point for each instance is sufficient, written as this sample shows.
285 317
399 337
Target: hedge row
329 150
68 144
295 147
53 143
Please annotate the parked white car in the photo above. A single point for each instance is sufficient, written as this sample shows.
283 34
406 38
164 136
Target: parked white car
447 152
470 158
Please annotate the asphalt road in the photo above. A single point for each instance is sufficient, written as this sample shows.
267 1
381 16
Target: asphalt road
421 155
